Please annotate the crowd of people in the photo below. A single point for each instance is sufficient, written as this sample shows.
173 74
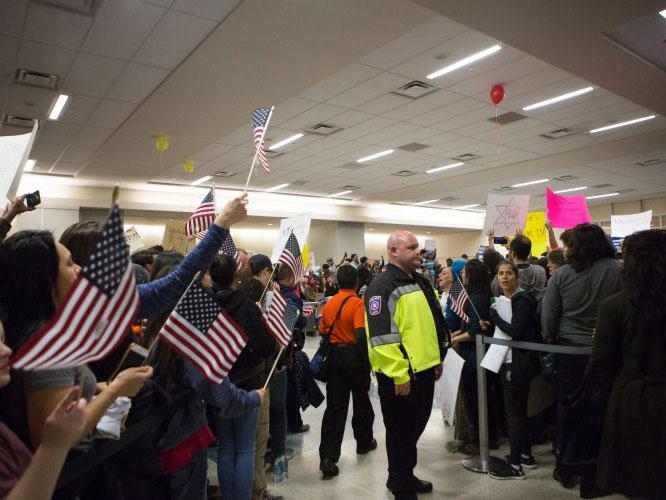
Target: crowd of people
395 319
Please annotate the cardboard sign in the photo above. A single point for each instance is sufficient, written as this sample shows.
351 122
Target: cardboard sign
14 152
506 213
535 230
299 225
566 211
624 225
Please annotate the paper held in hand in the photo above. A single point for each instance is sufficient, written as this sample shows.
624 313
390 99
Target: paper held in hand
499 354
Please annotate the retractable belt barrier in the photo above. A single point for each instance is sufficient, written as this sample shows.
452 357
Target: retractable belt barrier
484 463
87 461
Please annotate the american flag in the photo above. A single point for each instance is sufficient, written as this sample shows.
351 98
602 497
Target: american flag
280 318
229 247
259 123
202 218
291 256
459 299
96 313
203 333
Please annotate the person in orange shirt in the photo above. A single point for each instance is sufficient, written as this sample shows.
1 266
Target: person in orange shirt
348 371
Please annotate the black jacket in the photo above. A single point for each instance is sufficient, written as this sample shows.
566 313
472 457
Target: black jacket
247 372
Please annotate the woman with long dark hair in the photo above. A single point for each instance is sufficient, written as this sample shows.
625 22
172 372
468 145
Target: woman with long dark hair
629 358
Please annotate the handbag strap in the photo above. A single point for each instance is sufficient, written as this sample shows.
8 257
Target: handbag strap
337 317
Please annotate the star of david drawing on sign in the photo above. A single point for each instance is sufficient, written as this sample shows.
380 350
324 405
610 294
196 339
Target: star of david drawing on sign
508 215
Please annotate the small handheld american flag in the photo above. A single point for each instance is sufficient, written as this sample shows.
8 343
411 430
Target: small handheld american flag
229 247
280 318
201 331
291 256
96 313
202 218
260 118
459 299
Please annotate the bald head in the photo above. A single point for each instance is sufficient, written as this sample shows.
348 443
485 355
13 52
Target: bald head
403 250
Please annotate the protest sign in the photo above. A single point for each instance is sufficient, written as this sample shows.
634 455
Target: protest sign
505 213
566 211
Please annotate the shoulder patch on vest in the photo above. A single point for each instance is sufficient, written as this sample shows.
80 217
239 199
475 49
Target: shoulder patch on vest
375 305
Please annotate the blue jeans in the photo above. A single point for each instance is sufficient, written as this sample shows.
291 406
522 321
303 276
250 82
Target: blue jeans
235 455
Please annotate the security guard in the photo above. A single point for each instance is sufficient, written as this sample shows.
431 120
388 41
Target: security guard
406 339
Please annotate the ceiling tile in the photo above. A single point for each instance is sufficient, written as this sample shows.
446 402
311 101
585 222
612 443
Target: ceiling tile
215 10
92 136
290 108
136 82
78 109
459 107
29 101
395 132
57 132
174 37
110 114
384 104
366 127
45 58
211 151
343 80
120 27
67 168
161 3
46 152
422 105
78 154
92 75
8 50
55 26
12 16
321 145
369 89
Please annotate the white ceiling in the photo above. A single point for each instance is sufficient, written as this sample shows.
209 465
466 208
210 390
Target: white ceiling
186 69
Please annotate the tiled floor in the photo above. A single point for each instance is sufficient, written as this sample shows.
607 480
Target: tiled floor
364 477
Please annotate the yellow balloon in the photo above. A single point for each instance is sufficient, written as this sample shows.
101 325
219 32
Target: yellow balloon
188 166
161 143
306 255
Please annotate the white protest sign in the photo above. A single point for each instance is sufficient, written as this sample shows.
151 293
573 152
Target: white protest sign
299 225
133 239
505 213
499 354
446 388
430 245
14 152
624 225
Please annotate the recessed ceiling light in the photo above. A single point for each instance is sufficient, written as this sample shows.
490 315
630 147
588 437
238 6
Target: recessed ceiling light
370 229
275 188
559 98
530 183
425 202
445 167
622 124
464 62
663 13
341 193
570 190
607 195
201 180
59 105
270 223
286 141
29 165
375 156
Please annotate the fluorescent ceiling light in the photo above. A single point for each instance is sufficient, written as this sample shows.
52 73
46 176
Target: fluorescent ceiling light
463 207
444 167
341 193
607 195
375 156
663 13
570 190
286 141
275 188
29 165
622 124
425 202
201 180
58 107
559 98
530 183
370 229
464 62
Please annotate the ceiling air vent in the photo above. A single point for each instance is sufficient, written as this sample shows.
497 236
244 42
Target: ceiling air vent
450 198
36 79
651 163
558 134
404 173
348 187
18 121
299 183
273 154
413 147
504 188
567 177
353 165
224 173
507 118
602 186
626 190
323 129
466 157
84 7
415 89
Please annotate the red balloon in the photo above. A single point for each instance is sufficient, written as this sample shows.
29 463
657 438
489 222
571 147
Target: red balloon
497 94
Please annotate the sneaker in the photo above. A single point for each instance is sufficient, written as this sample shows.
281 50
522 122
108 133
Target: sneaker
362 450
507 472
328 468
289 452
527 463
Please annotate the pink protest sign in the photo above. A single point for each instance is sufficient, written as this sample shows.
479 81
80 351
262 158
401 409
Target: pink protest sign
566 211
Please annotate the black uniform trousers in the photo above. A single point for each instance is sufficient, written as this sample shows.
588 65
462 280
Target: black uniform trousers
405 419
516 396
346 373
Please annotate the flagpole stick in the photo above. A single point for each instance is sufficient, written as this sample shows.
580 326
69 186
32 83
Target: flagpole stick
256 150
273 369
114 194
470 298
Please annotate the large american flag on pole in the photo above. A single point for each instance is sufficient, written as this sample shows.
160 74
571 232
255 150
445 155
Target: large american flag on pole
201 331
291 256
280 318
259 123
202 218
459 299
94 317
